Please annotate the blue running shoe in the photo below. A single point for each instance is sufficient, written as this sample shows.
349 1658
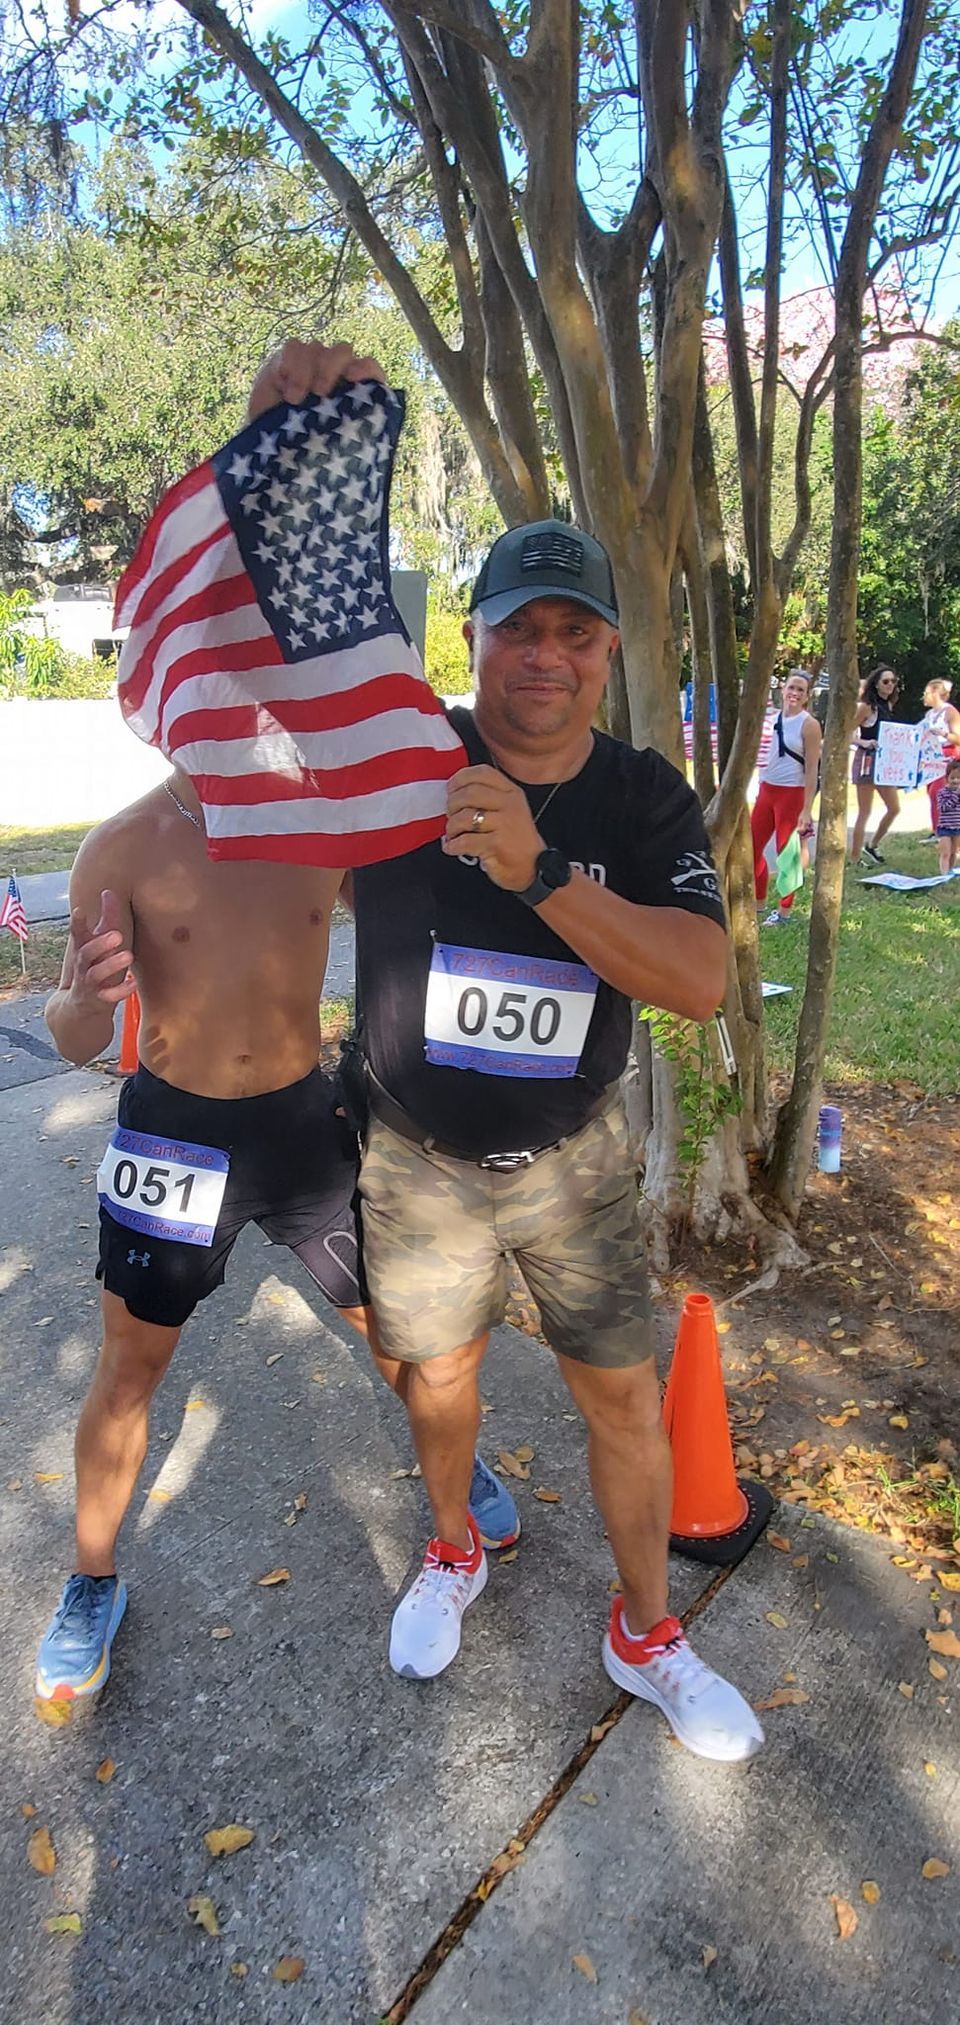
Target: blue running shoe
74 1658
496 1515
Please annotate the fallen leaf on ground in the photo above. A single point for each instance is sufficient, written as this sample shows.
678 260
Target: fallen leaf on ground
63 1923
778 1541
587 1799
159 1496
15 1484
548 1497
41 1854
784 1698
48 1476
935 1867
599 1730
524 1453
708 1956
870 1890
27 1809
54 1713
512 1465
222 1631
203 1911
905 1688
395 1475
898 1420
274 1357
289 1969
105 1771
930 1769
951 1580
275 1576
300 1502
194 1405
936 1669
507 1860
239 1969
801 1560
777 1619
225 1841
946 1642
846 1917
585 1966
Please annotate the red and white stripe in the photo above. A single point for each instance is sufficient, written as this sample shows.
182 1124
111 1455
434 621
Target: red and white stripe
13 913
341 759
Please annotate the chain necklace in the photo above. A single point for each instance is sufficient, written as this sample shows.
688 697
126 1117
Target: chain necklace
184 811
524 785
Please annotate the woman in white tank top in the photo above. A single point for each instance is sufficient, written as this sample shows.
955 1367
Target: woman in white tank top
788 784
943 717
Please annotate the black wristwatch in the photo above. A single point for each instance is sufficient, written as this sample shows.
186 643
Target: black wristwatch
551 871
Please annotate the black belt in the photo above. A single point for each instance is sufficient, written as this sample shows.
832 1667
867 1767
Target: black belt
392 1114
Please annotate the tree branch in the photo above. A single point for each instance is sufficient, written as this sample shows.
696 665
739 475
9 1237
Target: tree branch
471 21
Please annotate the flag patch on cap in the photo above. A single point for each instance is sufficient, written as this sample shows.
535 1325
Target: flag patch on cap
552 551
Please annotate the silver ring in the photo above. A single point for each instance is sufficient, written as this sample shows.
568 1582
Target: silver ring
476 820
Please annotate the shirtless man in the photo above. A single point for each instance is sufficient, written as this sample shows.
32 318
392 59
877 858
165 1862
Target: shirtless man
227 1121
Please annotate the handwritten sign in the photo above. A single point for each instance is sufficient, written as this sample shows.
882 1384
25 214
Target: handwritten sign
898 748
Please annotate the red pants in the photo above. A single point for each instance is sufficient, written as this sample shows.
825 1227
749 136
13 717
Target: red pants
776 810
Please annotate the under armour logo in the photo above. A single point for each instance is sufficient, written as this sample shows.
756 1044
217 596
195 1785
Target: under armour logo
138 1258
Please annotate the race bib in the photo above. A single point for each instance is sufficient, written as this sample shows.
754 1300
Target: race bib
506 1015
165 1188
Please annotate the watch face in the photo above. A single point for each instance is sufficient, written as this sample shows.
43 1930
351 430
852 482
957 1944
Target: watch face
553 868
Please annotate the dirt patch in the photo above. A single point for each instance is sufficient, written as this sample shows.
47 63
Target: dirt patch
844 1379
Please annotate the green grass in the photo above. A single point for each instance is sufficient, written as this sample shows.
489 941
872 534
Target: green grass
40 850
897 989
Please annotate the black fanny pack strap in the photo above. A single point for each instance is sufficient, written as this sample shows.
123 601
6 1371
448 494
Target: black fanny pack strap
787 751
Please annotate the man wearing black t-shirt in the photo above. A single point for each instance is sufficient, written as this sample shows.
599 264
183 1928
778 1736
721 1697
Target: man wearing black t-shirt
496 973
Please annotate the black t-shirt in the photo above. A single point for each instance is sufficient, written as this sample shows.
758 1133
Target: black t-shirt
629 820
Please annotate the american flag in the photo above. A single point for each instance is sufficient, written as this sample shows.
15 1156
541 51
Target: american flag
265 655
12 913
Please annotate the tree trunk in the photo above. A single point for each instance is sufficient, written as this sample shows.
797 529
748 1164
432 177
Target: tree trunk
797 1124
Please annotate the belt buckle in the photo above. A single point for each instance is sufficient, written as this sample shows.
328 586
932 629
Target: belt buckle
506 1163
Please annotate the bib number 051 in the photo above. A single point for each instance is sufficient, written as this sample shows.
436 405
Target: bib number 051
163 1188
505 1015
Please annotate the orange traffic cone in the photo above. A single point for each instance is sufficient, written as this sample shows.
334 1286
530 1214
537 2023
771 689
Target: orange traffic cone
715 1517
129 1052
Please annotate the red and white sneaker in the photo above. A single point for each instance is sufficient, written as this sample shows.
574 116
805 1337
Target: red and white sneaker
425 1634
703 1710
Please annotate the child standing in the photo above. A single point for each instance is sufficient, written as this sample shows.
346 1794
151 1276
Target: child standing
948 819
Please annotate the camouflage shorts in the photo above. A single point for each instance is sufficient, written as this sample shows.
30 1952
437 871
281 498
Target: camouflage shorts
438 1234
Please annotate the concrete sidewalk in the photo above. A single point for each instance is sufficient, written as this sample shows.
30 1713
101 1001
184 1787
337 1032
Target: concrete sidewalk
378 1805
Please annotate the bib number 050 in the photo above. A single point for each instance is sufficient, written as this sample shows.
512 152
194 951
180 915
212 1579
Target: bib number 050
506 1015
514 1015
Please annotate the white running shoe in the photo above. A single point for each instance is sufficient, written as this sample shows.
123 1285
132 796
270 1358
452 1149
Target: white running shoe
703 1710
425 1634
776 919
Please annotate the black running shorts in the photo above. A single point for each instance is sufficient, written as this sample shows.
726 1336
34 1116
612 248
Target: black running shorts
183 1175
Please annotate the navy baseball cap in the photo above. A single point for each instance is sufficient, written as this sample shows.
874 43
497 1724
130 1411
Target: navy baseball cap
544 559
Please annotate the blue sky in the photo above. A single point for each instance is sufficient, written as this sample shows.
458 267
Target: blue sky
612 181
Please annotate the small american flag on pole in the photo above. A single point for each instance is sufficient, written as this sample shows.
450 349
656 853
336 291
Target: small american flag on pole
12 914
265 655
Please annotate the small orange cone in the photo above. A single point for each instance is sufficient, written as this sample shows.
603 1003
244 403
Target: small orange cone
715 1517
129 1052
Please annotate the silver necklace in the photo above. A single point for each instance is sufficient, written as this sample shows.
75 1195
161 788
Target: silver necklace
184 811
545 804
